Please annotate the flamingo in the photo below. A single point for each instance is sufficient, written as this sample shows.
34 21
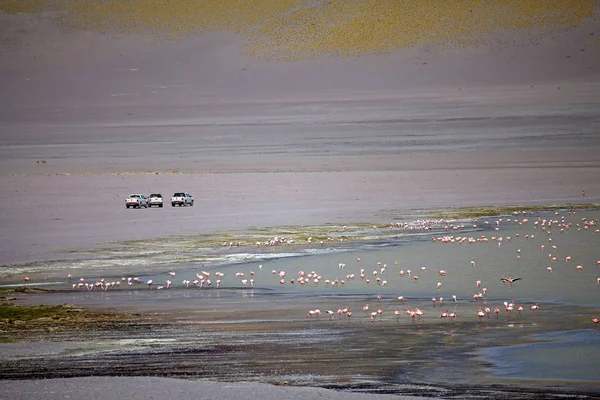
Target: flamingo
509 280
534 307
397 315
444 315
481 315
373 316
419 313
595 321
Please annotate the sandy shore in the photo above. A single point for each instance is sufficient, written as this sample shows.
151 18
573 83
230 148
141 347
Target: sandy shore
163 388
261 143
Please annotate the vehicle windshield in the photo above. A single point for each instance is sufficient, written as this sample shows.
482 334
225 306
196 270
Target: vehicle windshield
155 195
178 195
134 195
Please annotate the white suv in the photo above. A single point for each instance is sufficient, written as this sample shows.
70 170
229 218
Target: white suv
136 201
182 199
155 199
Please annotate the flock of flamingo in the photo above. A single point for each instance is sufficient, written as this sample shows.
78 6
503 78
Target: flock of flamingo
206 279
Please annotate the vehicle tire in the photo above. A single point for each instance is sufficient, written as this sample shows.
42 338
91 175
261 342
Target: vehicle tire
127 206
192 204
160 206
172 204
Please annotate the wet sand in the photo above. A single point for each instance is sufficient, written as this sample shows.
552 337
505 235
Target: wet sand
372 139
162 388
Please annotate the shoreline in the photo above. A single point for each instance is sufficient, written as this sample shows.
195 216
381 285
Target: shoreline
288 239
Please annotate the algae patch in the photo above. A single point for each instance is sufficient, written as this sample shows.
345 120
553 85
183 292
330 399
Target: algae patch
36 322
490 211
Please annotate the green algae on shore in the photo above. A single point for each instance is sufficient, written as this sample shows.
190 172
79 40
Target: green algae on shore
491 211
25 323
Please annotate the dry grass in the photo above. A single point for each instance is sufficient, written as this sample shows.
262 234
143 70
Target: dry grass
296 29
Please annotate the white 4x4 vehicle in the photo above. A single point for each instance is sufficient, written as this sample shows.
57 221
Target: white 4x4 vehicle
136 201
155 199
182 199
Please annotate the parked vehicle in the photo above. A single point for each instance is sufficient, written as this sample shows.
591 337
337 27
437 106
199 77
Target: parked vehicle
136 201
155 199
182 199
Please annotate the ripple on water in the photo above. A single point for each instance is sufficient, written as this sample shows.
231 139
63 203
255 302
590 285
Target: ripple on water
545 359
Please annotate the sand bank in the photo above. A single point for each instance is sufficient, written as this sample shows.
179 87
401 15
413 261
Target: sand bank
165 388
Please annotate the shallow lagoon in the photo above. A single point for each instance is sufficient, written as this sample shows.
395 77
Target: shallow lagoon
264 333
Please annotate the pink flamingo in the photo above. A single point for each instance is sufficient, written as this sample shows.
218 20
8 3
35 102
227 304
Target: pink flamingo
481 315
444 315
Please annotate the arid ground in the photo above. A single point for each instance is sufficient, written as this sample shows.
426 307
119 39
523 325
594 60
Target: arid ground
268 127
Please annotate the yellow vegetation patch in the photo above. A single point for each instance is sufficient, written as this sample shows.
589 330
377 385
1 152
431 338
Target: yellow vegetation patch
293 29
